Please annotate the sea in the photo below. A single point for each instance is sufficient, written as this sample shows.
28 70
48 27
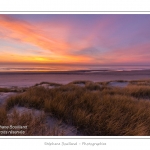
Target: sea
64 67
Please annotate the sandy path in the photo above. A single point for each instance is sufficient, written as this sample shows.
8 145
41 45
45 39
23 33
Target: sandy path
51 121
4 96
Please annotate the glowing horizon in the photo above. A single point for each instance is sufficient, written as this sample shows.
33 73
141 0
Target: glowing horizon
75 39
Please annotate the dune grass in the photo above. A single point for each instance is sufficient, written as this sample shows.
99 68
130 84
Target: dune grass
5 90
15 89
140 82
36 125
49 84
107 111
79 82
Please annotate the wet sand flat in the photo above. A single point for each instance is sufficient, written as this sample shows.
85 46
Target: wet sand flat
29 79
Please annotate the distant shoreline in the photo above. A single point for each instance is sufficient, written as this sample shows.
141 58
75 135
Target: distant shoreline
74 71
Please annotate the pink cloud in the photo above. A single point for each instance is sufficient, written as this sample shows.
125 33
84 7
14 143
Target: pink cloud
30 34
130 54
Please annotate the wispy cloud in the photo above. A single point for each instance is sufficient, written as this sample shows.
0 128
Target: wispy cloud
25 32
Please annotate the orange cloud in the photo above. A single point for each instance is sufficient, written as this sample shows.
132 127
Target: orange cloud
28 33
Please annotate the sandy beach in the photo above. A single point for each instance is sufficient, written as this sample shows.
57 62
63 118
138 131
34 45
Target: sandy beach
27 79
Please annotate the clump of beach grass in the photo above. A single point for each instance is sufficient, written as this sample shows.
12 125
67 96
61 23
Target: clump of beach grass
35 125
140 82
48 83
33 98
13 89
5 90
3 115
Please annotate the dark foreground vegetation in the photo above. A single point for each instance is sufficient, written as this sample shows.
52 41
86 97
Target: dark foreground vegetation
95 109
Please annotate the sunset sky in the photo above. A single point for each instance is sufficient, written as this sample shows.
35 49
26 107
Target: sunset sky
75 39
